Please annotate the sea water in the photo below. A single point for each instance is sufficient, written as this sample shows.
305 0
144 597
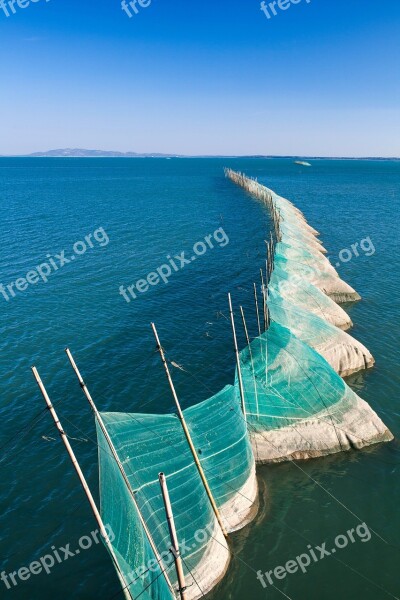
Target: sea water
116 222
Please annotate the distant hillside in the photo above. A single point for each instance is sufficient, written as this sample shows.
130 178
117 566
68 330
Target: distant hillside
84 153
81 152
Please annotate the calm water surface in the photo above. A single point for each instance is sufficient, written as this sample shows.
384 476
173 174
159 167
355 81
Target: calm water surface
150 209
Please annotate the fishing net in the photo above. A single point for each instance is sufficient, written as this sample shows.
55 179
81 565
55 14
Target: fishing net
297 406
296 236
136 560
285 380
345 354
150 444
294 287
221 438
304 257
319 272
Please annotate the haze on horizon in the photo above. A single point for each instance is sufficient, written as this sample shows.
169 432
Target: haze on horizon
320 79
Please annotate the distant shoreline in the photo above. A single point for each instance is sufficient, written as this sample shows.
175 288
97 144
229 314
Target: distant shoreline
222 156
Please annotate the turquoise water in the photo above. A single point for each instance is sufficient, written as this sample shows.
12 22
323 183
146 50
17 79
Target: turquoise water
143 211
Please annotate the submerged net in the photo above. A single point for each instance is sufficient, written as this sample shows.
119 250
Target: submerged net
150 444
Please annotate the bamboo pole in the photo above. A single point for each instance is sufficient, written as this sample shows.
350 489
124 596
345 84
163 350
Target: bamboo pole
269 262
277 221
264 300
257 311
239 368
174 538
187 433
83 481
251 358
120 466
266 295
265 322
245 326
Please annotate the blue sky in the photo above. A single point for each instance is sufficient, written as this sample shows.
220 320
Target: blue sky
202 77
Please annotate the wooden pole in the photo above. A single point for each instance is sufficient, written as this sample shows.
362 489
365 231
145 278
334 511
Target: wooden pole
264 300
239 368
274 218
187 433
269 269
245 326
251 358
174 538
266 294
257 311
83 481
120 466
277 221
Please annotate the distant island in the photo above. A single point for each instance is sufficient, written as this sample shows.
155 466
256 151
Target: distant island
84 153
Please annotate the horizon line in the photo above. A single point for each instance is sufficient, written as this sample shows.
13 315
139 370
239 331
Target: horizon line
111 154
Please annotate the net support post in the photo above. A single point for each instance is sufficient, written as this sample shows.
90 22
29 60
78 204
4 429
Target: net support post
119 464
96 513
264 299
239 368
257 311
187 433
245 326
174 537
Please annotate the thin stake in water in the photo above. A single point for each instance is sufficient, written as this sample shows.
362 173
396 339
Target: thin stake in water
174 538
83 481
187 433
